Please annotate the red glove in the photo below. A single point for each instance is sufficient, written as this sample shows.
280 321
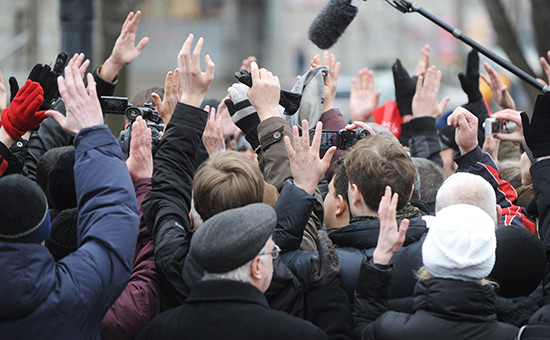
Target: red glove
22 114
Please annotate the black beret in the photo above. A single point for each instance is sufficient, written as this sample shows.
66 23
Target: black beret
520 260
233 237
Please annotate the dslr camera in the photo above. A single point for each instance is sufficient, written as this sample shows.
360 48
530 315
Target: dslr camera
120 105
343 139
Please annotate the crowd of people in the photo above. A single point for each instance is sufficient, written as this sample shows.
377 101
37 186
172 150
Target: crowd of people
266 214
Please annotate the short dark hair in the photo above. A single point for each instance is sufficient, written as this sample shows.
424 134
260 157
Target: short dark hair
144 96
340 179
431 177
376 162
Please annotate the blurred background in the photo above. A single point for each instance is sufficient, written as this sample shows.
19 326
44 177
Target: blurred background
275 31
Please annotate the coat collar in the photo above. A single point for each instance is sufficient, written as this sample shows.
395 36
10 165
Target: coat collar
363 234
455 299
225 290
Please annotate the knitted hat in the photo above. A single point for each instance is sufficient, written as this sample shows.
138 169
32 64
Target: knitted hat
233 237
61 187
460 243
520 260
63 239
23 210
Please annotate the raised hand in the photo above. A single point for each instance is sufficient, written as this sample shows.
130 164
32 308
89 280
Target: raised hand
82 104
265 92
125 51
466 124
306 166
424 103
390 238
423 62
194 81
212 137
363 98
3 94
246 63
140 161
545 68
470 80
22 116
498 88
510 116
172 93
331 79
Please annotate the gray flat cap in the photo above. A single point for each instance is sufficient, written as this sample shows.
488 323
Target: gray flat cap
233 237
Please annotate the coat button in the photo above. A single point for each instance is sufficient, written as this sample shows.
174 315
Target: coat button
277 135
19 144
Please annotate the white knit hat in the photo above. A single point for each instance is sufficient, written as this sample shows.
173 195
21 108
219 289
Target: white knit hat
460 244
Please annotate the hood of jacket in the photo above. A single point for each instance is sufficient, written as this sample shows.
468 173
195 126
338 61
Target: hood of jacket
456 300
363 234
28 276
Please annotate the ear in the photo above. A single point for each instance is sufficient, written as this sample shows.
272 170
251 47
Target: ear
191 222
256 268
499 214
354 195
342 206
412 191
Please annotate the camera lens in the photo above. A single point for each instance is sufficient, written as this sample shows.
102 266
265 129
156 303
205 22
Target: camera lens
132 113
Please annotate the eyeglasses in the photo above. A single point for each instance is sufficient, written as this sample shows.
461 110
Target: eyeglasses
274 253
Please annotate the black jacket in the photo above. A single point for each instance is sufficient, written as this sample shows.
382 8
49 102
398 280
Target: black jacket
166 210
443 309
235 310
358 239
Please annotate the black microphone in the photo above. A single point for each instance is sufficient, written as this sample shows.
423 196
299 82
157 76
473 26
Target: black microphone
331 23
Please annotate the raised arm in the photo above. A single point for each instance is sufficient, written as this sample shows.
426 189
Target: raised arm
166 206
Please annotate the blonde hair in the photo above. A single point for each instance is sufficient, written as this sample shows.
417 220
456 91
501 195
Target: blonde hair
226 181
424 274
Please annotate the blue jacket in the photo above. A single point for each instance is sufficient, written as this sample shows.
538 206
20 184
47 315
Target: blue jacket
42 299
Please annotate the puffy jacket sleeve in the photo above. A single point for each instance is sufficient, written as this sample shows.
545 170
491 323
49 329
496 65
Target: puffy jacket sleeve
139 303
424 140
166 206
371 297
480 163
107 223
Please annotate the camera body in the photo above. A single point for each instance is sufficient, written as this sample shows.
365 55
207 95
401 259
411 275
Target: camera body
343 139
120 105
493 126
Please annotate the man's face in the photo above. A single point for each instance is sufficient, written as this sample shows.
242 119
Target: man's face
331 205
267 266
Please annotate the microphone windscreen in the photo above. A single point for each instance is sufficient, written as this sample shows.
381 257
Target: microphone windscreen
331 23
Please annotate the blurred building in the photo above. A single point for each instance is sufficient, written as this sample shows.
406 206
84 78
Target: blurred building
273 30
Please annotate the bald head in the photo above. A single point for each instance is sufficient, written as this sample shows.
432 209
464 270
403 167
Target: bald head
466 188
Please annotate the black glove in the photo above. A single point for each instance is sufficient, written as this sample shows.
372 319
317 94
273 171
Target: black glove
470 80
405 87
325 268
537 132
14 87
44 75
60 63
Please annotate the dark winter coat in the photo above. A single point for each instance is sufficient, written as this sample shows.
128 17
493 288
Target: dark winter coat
44 299
234 310
443 309
139 303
